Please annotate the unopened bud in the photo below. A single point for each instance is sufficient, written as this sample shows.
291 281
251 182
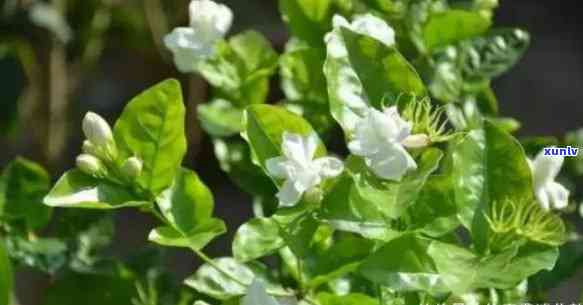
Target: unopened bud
90 148
89 164
416 141
132 167
97 130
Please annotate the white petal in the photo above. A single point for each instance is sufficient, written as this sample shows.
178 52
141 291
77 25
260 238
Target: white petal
374 27
340 21
558 195
188 49
329 166
403 128
392 163
298 148
542 198
277 167
211 20
546 168
288 195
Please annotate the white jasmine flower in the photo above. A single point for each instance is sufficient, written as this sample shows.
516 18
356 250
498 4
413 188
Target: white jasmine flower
97 130
298 167
549 193
380 138
209 23
368 25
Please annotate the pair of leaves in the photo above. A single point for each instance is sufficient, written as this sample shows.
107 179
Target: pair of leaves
187 205
150 127
241 68
464 271
212 282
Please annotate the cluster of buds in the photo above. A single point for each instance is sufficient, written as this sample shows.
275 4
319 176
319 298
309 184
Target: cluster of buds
100 151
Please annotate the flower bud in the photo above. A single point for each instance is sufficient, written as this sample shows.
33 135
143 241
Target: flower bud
89 148
89 164
419 140
97 130
132 167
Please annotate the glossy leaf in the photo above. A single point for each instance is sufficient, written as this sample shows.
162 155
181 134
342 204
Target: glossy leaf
151 127
302 78
45 254
265 127
308 20
393 198
220 118
451 26
257 238
78 190
363 72
25 183
464 271
257 295
187 203
197 239
241 68
404 265
208 280
494 53
489 165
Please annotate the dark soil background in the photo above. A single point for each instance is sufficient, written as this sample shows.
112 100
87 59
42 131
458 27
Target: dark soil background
544 91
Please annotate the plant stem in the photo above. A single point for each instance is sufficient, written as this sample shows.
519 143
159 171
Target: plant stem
213 264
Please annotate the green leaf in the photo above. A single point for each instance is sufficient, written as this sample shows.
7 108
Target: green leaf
241 68
234 156
451 26
464 271
208 280
25 183
78 190
257 295
196 239
489 166
445 80
302 78
265 127
343 209
404 265
5 276
187 203
494 53
308 20
363 72
45 254
220 118
92 289
257 238
151 127
326 298
342 258
393 198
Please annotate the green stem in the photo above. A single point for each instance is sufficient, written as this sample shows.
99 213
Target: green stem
212 263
